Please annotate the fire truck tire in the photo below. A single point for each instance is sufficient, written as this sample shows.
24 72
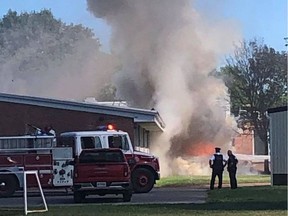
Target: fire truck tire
127 195
78 196
142 180
8 185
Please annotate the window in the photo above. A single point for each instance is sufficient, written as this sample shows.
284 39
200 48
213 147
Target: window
98 142
145 138
87 142
67 141
141 144
125 145
118 142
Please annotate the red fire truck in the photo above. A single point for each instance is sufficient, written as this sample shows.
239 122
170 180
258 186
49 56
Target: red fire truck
51 158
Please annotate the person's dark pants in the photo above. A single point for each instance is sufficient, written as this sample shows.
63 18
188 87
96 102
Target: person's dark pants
233 180
219 174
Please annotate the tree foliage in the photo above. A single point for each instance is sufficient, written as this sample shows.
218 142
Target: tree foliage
256 77
53 37
38 51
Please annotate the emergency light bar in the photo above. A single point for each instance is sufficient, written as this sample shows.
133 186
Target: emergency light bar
105 127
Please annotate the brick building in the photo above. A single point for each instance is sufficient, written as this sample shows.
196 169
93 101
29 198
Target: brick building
17 111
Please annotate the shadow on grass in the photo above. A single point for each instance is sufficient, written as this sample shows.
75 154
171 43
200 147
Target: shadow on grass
169 208
243 206
235 206
244 198
11 212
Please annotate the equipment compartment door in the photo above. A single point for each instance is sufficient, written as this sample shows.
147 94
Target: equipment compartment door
62 170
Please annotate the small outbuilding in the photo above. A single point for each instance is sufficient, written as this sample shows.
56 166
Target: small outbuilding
278 145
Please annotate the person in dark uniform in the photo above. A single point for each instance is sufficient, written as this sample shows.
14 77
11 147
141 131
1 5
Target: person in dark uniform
232 168
217 163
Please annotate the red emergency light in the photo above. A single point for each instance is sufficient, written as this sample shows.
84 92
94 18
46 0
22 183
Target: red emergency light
110 127
105 127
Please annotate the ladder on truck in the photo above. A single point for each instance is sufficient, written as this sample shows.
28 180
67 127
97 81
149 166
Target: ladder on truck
26 142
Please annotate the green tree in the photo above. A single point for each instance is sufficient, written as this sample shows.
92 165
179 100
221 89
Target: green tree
52 36
256 77
39 52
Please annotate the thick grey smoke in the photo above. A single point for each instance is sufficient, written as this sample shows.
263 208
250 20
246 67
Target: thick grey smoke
167 51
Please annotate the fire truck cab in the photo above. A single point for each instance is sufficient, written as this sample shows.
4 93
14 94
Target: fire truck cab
144 167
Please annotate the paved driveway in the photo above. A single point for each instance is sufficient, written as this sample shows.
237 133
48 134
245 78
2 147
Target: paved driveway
156 196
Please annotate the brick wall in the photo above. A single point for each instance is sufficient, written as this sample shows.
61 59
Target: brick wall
14 118
243 143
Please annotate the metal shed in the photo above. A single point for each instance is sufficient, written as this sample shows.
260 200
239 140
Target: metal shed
278 145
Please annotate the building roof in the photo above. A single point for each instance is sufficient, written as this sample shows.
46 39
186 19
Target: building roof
147 118
277 109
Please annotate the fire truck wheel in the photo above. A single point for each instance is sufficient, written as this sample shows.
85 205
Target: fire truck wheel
78 196
8 185
142 180
127 195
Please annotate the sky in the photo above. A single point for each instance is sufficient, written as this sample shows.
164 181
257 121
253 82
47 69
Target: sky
265 19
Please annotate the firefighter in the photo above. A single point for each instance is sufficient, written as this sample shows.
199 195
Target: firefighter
48 130
217 163
232 168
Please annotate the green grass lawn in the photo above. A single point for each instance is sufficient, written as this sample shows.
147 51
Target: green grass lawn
205 180
256 200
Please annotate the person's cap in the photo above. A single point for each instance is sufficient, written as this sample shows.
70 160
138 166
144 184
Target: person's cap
217 149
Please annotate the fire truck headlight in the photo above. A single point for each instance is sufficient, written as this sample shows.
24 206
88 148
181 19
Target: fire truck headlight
137 159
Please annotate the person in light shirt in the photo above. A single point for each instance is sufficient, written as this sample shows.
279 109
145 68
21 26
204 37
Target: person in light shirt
48 130
217 164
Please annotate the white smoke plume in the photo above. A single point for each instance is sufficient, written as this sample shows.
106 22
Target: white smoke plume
167 51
